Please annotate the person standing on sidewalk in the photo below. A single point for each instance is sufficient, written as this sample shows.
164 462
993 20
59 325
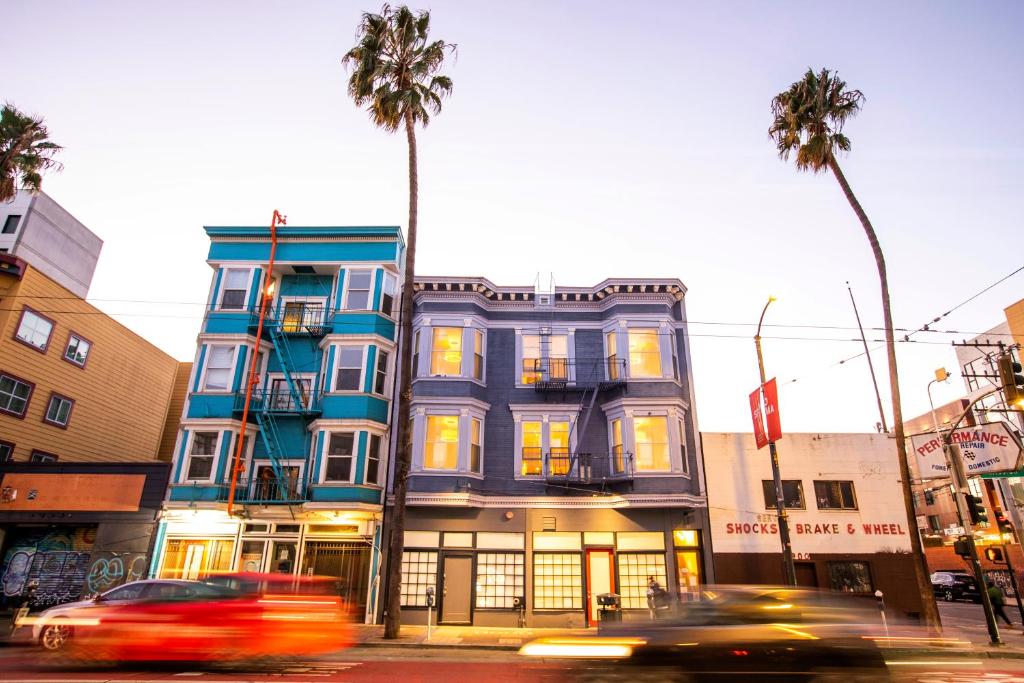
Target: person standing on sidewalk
995 595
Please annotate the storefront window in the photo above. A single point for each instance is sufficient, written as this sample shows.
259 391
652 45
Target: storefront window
195 558
419 570
500 577
850 577
635 572
557 581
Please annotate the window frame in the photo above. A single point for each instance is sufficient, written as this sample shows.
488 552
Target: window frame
656 331
462 349
28 399
395 297
407 557
187 465
10 453
668 445
354 457
519 562
580 596
40 457
867 567
203 388
338 367
841 507
223 288
67 347
458 442
620 556
545 420
476 421
381 451
46 413
378 376
479 370
770 503
544 358
21 319
17 223
348 289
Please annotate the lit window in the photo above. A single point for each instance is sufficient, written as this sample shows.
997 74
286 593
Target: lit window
340 457
387 297
558 447
350 368
218 368
478 354
558 357
500 578
373 460
651 435
236 287
545 357
532 445
446 353
201 456
475 446
380 380
14 395
77 351
531 359
58 412
644 353
416 354
612 359
682 446
557 581
442 447
419 571
34 329
792 493
635 572
619 458
357 298
835 495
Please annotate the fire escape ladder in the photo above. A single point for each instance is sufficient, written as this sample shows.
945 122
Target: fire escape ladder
284 355
272 441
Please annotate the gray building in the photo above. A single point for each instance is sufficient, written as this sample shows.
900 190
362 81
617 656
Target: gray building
556 454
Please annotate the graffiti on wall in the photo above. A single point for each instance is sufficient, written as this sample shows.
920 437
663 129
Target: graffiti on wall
56 559
108 570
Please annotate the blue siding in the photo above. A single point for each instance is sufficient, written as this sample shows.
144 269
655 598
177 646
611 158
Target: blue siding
360 457
255 289
356 407
341 288
211 405
305 357
199 368
371 357
239 382
304 252
221 322
318 458
216 287
306 285
198 493
345 494
329 378
364 323
378 278
181 456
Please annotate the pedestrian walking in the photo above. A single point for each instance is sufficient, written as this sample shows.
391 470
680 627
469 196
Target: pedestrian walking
995 596
654 596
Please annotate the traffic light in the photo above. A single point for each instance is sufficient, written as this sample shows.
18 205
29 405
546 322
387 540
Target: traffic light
976 509
1012 381
1002 522
962 547
994 554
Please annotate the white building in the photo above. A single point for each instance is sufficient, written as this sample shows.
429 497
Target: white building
847 520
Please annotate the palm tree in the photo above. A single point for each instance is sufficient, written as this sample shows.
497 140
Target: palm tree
25 152
395 75
808 120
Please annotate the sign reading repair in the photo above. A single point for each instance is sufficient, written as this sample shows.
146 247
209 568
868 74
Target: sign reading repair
985 449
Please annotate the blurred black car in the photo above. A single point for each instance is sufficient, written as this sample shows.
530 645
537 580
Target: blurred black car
952 586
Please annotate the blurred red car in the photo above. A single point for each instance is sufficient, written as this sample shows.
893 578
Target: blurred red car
225 618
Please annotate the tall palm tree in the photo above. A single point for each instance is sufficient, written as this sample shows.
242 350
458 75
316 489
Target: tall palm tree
395 74
808 122
25 152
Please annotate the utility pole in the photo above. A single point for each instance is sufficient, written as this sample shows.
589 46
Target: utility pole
788 568
871 367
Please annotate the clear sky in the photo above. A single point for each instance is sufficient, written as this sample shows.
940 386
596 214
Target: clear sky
583 139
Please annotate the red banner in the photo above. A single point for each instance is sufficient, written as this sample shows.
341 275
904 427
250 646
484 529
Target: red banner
771 410
755 414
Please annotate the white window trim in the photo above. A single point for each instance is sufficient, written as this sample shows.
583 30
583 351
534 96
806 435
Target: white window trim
60 399
310 376
322 478
568 332
397 295
388 373
381 460
469 460
346 289
252 434
667 339
464 413
288 462
545 415
426 350
231 372
188 456
337 366
26 312
283 300
672 415
223 288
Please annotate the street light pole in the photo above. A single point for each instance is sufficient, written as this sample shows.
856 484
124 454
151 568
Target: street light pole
788 568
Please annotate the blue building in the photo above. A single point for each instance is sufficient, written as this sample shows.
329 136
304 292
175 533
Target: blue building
556 455
309 495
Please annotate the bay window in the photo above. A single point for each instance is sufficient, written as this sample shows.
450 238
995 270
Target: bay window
357 294
532 449
340 457
441 451
446 352
373 457
644 353
611 345
381 376
475 446
544 357
478 354
201 456
350 369
218 368
618 455
236 289
387 297
652 448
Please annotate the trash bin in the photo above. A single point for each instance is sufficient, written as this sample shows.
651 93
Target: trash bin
609 608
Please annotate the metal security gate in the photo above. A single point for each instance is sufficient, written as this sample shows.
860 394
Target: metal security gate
348 561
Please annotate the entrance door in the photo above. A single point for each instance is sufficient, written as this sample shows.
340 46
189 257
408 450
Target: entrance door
806 574
600 579
457 590
349 561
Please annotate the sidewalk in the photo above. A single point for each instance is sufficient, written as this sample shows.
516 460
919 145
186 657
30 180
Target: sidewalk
478 637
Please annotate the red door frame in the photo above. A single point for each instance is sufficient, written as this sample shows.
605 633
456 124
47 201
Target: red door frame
592 620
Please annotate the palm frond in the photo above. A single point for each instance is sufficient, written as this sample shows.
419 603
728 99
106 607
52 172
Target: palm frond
25 152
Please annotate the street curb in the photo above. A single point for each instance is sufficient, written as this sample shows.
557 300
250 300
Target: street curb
437 646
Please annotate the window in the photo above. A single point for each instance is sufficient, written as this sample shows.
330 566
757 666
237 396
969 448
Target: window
651 437
201 456
835 495
34 329
478 354
14 395
350 368
419 570
934 523
193 558
558 447
929 497
236 289
618 456
218 368
6 451
446 352
442 446
42 456
357 296
635 571
475 446
416 354
500 578
373 460
850 577
387 297
545 357
644 353
303 315
792 493
58 412
611 346
682 446
77 351
11 224
532 445
381 378
675 359
557 581
280 397
340 456
531 359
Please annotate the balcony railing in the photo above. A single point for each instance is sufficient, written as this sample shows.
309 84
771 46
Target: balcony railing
267 492
564 373
280 400
588 468
298 317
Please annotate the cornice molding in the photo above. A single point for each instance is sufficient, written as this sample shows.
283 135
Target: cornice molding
632 500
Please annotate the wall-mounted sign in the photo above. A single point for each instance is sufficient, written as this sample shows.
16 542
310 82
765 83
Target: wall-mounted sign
30 491
760 438
985 449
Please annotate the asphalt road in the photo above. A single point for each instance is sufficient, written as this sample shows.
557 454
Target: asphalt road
413 665
969 618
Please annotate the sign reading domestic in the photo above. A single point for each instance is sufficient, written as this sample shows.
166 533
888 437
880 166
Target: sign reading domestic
985 449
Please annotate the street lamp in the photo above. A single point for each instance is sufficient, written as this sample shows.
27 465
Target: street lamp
788 568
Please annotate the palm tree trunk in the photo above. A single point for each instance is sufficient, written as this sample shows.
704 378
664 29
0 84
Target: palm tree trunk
403 456
929 610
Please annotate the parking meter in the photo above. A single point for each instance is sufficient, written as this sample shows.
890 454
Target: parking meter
430 596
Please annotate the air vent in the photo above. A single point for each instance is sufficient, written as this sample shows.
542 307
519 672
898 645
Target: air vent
548 523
